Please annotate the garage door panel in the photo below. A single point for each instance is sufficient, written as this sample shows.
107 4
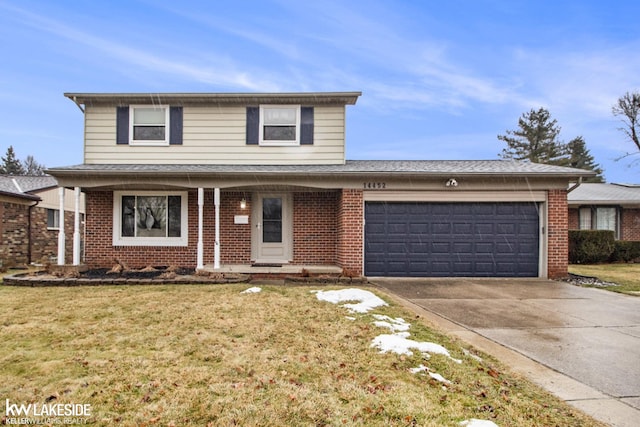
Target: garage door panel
451 239
461 248
483 209
441 228
419 248
483 248
418 228
484 228
462 229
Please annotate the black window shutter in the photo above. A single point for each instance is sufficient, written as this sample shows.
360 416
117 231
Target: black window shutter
306 126
175 125
253 125
122 125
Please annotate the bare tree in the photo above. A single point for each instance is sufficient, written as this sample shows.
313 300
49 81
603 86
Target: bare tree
32 167
628 109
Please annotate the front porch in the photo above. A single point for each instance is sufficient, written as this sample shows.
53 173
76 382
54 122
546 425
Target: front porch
279 231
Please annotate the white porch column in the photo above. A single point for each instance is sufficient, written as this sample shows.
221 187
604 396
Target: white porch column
200 261
61 240
216 249
76 228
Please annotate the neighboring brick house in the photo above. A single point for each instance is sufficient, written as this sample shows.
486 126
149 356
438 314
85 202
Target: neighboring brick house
614 207
260 183
30 212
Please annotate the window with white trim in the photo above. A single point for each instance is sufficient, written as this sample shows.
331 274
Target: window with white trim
53 219
150 218
149 125
599 218
279 125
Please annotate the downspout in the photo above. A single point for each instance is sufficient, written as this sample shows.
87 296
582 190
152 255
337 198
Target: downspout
78 104
574 186
29 231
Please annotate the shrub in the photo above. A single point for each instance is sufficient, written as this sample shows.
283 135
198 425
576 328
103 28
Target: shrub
590 246
625 251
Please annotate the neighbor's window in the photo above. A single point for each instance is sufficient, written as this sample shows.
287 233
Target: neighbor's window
150 219
279 125
149 124
599 218
585 218
53 219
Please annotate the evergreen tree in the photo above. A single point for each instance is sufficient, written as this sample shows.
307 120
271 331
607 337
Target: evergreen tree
580 158
10 165
535 140
32 167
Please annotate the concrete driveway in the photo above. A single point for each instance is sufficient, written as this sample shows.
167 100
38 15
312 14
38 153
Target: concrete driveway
587 340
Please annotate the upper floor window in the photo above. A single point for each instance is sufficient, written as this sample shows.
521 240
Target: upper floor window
148 124
279 125
276 125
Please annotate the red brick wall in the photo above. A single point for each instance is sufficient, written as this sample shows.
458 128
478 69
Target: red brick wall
574 219
235 239
351 230
315 228
557 234
99 249
44 242
630 224
14 233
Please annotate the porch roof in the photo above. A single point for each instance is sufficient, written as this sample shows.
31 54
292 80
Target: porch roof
480 168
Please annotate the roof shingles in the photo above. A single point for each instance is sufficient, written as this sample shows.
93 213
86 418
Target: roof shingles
421 167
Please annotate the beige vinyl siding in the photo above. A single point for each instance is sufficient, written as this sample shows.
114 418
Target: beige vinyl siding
51 200
213 135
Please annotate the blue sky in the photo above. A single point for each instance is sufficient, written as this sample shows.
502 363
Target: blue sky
440 79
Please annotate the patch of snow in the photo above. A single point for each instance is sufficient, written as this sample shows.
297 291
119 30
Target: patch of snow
439 378
396 325
471 355
400 344
350 318
368 301
477 423
253 290
433 375
420 368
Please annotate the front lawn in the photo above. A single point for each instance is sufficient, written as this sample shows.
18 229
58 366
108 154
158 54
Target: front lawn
201 355
625 275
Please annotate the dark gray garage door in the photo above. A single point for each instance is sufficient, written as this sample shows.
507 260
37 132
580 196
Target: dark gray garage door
451 239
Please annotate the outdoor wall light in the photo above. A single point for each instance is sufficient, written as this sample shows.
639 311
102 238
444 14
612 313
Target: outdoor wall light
452 183
243 203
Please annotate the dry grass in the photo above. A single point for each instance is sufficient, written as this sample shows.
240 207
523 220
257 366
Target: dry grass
208 355
625 275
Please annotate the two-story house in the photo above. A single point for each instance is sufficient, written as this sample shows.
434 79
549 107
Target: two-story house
228 181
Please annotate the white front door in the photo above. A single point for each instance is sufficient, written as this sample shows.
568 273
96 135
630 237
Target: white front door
272 228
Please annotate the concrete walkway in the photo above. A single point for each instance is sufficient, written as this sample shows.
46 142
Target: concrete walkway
581 344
